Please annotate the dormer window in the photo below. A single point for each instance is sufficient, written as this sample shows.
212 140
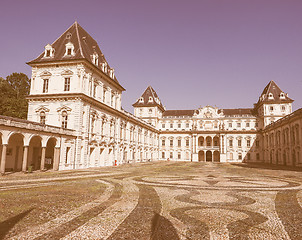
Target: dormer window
69 49
141 99
111 73
150 99
282 95
270 96
49 51
95 59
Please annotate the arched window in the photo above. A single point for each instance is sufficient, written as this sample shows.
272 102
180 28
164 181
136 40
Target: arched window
42 117
64 119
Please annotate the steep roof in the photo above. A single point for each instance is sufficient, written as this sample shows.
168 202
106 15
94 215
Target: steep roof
84 48
273 94
177 113
237 111
144 100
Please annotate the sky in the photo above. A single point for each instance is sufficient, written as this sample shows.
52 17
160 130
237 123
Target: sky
193 53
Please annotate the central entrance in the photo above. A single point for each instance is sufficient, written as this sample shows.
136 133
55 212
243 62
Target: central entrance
209 156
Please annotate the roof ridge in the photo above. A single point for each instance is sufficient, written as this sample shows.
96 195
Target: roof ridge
268 87
78 36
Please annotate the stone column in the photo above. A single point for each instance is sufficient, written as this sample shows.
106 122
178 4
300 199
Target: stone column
56 159
3 159
24 163
43 158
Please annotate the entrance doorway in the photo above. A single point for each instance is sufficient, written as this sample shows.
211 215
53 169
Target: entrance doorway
201 156
209 156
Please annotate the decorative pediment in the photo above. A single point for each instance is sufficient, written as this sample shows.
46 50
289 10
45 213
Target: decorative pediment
67 72
64 108
45 74
42 109
208 112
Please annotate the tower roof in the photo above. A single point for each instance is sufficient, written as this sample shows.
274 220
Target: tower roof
84 49
273 94
148 99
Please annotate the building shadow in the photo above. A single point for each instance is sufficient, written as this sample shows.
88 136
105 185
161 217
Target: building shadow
162 229
268 166
8 224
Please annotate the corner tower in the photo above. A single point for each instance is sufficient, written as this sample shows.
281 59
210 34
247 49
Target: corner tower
149 107
273 104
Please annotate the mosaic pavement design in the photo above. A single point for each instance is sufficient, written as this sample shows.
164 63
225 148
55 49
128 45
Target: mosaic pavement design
178 201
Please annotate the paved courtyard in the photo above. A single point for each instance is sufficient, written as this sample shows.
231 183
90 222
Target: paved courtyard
163 200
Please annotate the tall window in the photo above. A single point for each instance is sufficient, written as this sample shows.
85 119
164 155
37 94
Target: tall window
187 142
248 143
45 86
179 155
163 142
179 142
240 156
171 143
163 155
231 143
42 117
64 119
239 142
171 154
67 84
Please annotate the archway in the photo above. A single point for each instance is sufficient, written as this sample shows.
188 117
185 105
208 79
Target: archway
216 141
209 141
216 156
201 156
284 158
49 155
35 152
294 158
209 156
201 141
14 153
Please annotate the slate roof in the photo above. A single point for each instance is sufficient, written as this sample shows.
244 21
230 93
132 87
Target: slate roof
238 111
143 101
274 89
84 47
177 113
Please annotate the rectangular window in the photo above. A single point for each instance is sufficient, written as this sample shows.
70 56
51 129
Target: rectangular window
171 125
257 156
69 51
248 143
163 142
179 143
94 90
187 125
187 142
179 125
171 143
179 155
239 125
171 154
231 143
67 84
163 125
45 85
230 125
163 155
247 124
239 156
67 154
239 143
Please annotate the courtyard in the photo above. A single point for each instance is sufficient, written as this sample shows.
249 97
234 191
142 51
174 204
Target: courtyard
161 200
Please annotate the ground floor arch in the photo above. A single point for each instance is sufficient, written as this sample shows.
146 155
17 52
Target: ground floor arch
216 156
201 156
14 152
209 157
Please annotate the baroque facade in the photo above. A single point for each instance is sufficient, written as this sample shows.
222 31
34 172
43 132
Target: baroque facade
76 119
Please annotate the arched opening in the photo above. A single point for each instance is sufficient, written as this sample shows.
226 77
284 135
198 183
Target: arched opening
216 156
50 151
216 141
201 141
91 157
209 156
209 141
294 158
14 153
284 158
201 156
35 153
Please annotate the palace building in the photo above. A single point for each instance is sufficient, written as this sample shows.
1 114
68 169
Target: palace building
76 120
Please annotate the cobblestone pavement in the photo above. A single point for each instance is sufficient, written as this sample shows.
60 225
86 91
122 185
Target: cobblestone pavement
162 200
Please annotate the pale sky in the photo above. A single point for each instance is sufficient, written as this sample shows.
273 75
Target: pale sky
193 53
